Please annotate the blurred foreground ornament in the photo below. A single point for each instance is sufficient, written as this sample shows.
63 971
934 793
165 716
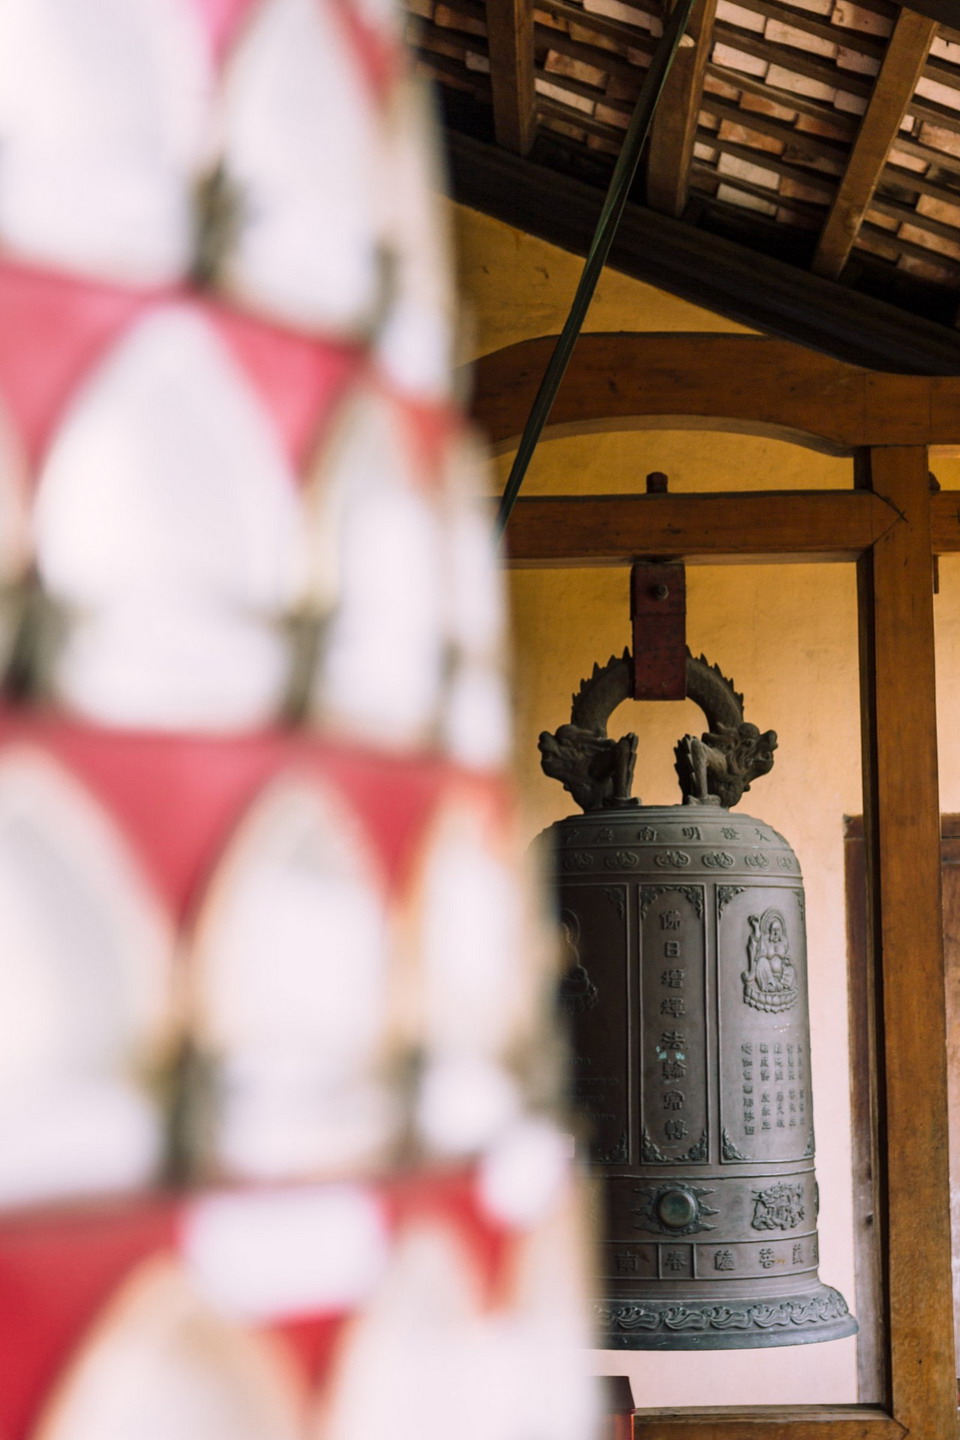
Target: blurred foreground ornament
687 988
280 1156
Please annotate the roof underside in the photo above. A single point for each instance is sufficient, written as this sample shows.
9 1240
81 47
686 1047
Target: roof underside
822 133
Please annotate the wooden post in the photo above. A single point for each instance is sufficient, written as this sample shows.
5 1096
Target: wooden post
902 832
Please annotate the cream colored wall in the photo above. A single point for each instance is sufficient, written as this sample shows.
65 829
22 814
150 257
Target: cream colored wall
788 636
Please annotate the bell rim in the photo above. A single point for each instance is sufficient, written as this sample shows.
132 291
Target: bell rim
838 1323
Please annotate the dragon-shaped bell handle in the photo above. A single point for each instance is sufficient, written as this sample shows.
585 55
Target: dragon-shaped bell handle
714 769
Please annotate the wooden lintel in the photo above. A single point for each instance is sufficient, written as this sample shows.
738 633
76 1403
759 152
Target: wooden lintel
510 48
811 1422
800 525
675 119
746 383
901 69
943 11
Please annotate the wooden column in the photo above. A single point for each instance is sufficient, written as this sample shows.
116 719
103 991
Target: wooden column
902 830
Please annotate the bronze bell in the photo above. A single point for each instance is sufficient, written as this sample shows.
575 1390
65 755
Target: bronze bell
687 989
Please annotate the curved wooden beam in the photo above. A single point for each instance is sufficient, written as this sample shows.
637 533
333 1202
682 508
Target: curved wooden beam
747 383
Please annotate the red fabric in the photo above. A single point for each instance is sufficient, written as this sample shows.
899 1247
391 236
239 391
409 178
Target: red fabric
312 1344
452 1200
222 20
299 380
177 799
54 330
56 1272
376 50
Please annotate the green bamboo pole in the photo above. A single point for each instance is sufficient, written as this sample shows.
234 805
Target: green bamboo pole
616 198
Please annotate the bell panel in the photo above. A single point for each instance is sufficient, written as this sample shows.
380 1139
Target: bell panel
673 1027
595 992
766 1112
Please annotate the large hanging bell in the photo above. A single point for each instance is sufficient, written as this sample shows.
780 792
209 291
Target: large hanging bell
687 989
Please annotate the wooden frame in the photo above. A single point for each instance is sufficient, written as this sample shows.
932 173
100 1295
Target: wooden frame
891 525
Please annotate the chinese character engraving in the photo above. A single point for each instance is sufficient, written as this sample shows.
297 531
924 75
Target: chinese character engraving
723 1260
673 1100
673 1040
676 1129
767 1258
674 1005
675 1260
779 1207
673 978
670 920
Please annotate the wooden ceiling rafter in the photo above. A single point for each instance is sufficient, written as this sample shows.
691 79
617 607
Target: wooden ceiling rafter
675 120
510 50
901 69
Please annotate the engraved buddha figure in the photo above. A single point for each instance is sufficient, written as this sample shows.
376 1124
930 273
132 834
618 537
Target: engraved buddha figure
770 979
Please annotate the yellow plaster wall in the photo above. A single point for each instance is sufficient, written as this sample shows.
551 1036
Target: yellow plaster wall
787 635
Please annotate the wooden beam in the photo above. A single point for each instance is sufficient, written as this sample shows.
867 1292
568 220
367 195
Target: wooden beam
675 120
775 1422
801 525
945 522
746 383
943 11
901 69
902 837
510 43
706 269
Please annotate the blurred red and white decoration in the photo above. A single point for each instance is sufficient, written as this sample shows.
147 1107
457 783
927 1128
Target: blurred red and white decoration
281 1150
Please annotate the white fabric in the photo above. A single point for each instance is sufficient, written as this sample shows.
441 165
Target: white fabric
416 343
522 1175
381 672
464 1103
277 1256
428 1340
303 148
86 975
290 974
473 961
160 1365
169 527
104 125
478 718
